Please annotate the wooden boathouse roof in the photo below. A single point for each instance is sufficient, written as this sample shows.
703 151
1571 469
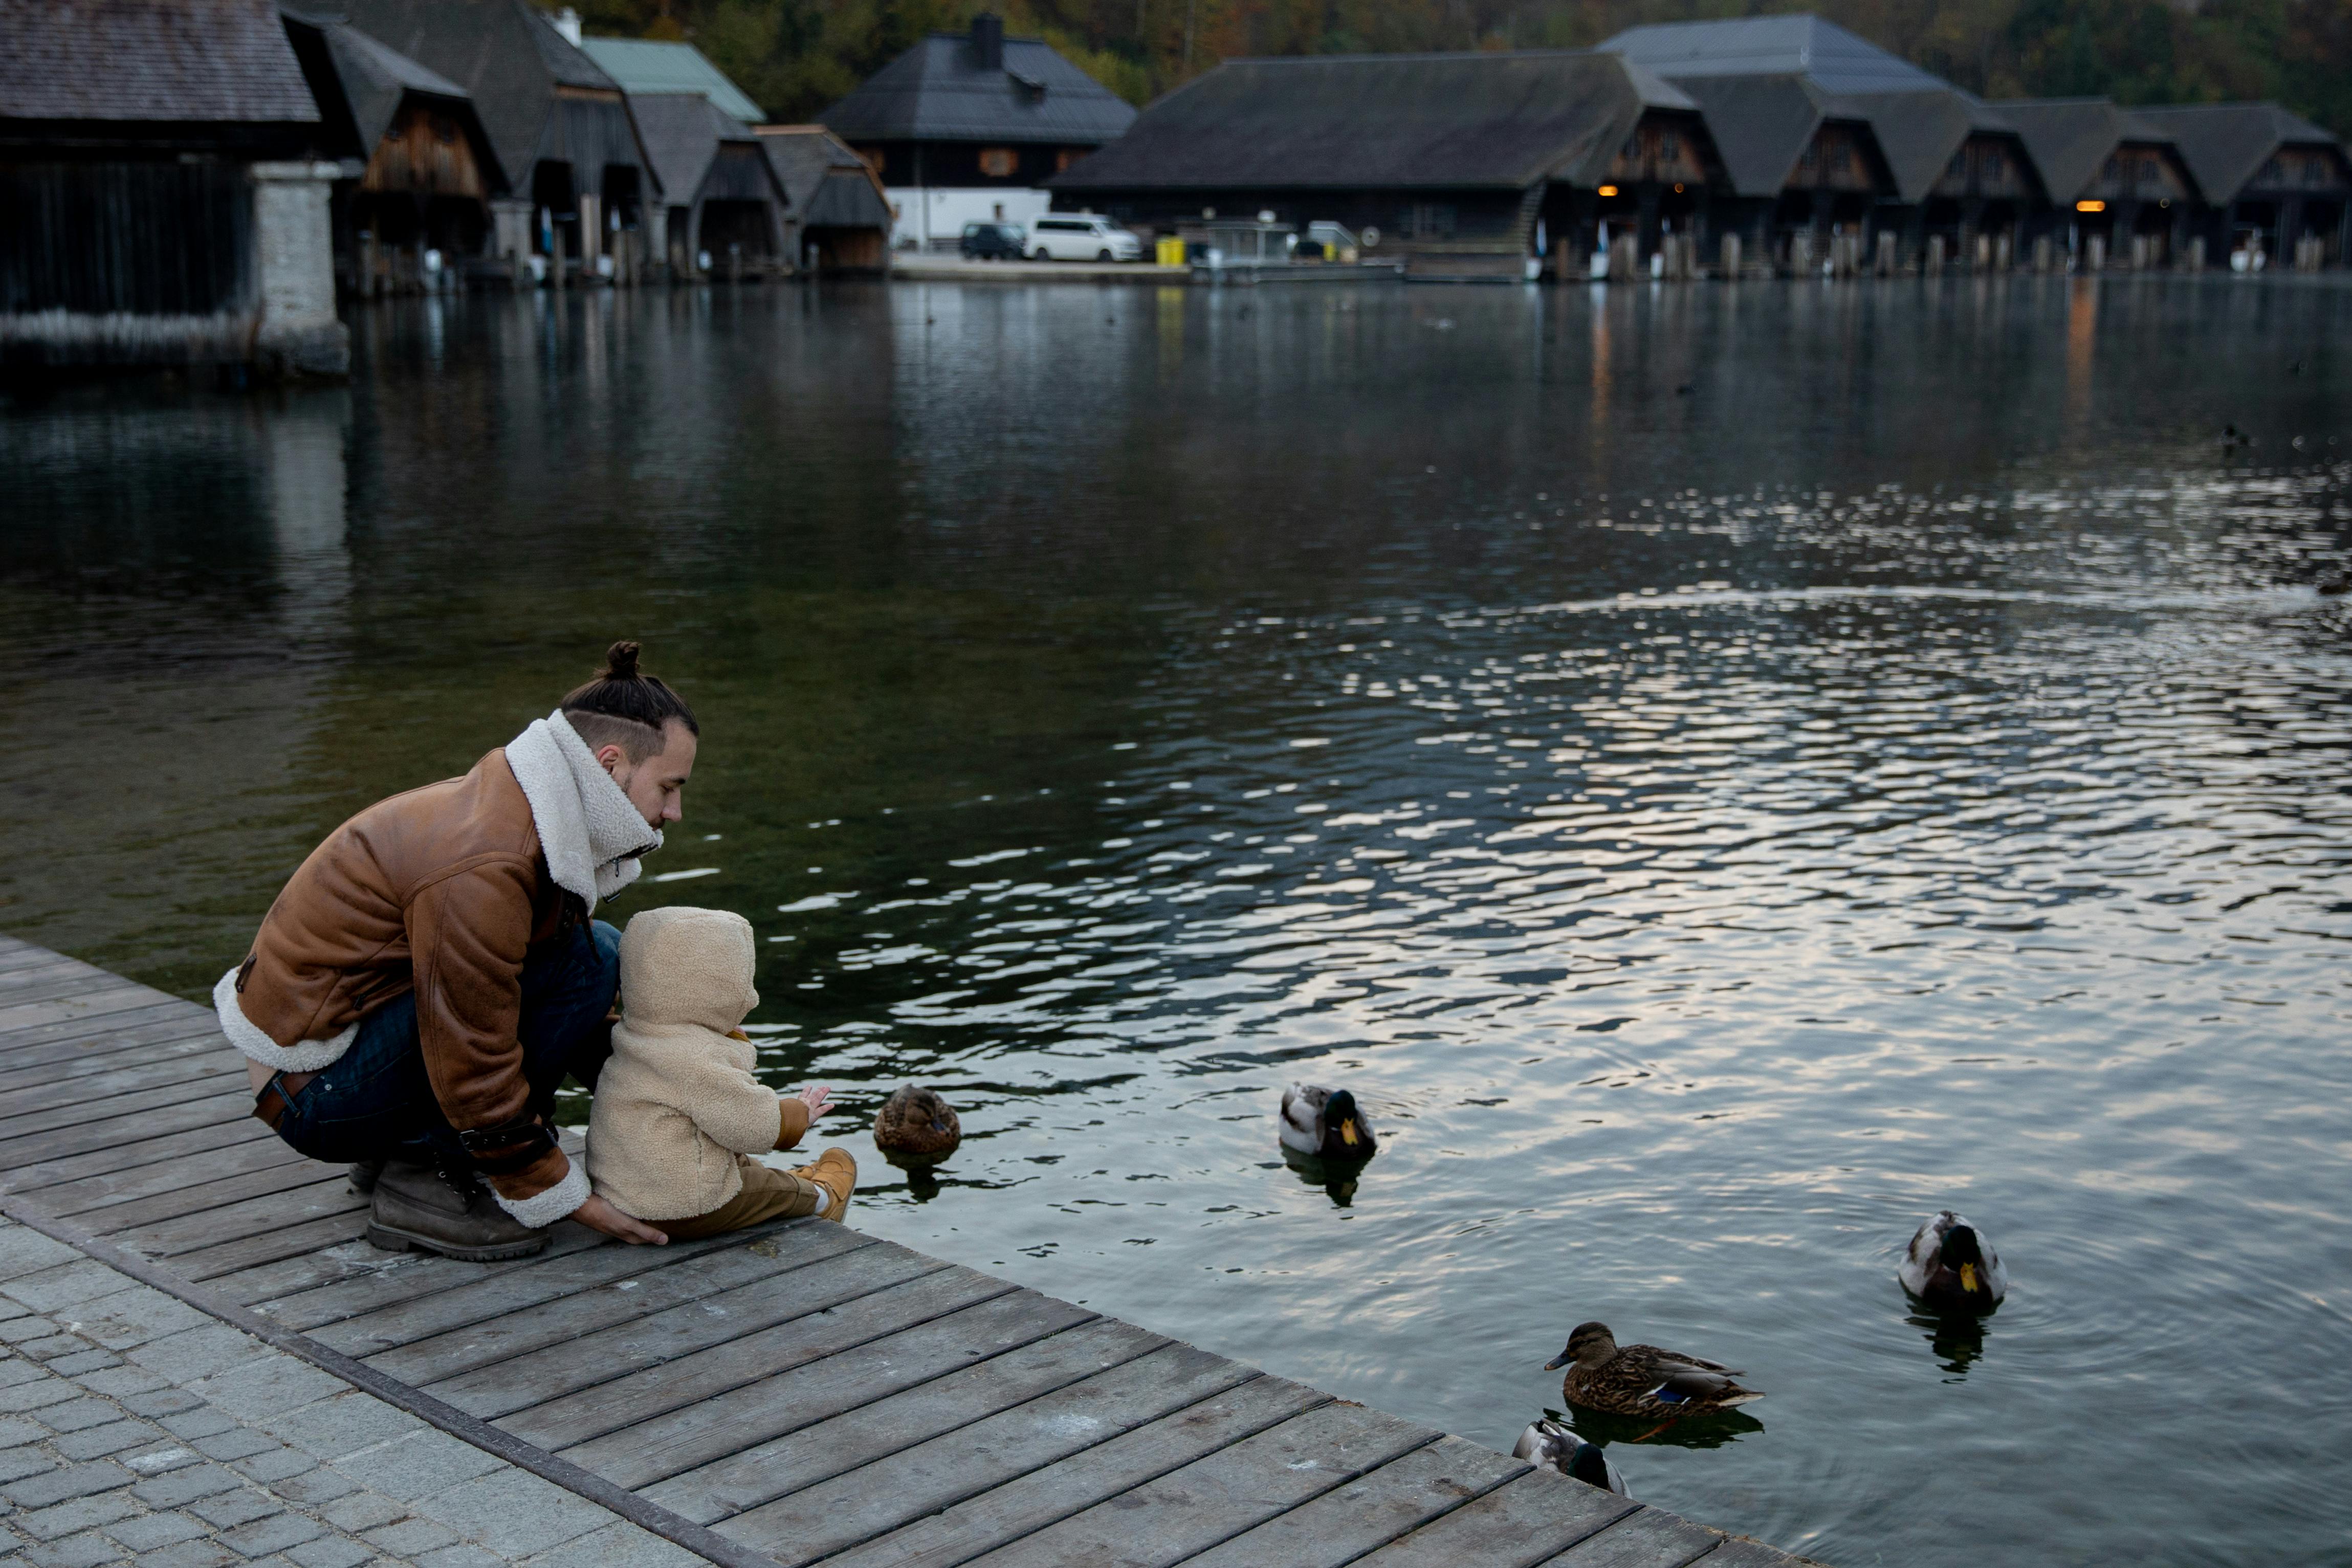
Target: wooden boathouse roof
684 133
2072 137
827 184
946 88
538 97
646 65
2226 145
792 1393
1835 60
1367 122
150 61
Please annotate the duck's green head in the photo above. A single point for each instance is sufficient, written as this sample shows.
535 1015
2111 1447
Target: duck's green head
1585 1339
1964 1254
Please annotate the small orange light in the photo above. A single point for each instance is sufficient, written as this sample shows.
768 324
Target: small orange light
2090 206
1608 190
1678 189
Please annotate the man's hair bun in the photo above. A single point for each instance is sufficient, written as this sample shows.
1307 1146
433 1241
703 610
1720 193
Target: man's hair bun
624 706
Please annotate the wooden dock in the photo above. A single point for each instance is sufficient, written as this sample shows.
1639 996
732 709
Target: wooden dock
796 1394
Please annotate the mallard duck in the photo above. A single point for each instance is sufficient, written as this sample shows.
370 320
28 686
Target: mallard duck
1325 1123
1642 1379
916 1123
1558 1445
1951 1265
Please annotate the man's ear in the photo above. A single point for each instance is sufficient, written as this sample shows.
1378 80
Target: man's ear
613 759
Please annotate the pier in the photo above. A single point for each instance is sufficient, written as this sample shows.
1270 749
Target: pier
799 1392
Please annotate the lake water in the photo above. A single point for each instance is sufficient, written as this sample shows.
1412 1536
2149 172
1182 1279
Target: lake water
1722 772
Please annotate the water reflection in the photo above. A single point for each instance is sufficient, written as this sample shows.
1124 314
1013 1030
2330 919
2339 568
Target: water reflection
1958 1339
1698 1432
1708 829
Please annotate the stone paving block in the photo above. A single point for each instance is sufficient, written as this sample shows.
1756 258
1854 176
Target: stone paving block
37 1394
71 1480
329 1552
202 1421
24 1330
159 1458
24 1251
74 1551
227 1509
54 1347
275 1463
15 1430
410 1537
160 1399
72 1518
342 1424
237 1443
274 1383
151 1530
67 1285
313 1488
133 1317
196 1353
75 1415
15 1464
83 1362
361 1511
13 1372
463 1555
181 1488
97 1442
513 1511
423 1462
188 1554
619 1544
122 1382
274 1534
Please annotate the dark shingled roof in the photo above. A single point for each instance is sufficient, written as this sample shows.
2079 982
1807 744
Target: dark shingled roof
1761 125
940 91
2072 138
2226 144
1383 123
683 132
1917 132
510 60
375 78
212 61
1838 61
828 185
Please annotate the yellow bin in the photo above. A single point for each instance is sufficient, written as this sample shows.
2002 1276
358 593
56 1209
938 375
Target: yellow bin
1171 253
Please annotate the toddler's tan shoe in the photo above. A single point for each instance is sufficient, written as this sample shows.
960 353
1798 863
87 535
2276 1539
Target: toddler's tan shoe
837 1173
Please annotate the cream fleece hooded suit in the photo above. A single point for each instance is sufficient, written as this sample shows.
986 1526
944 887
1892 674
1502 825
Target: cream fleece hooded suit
677 1102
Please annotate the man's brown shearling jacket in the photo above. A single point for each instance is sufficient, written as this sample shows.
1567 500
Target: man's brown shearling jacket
441 890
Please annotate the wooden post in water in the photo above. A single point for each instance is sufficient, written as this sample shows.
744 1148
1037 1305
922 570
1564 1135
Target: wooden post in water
1730 254
2094 254
1934 264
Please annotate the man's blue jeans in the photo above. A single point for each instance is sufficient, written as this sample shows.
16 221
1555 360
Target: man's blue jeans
375 1101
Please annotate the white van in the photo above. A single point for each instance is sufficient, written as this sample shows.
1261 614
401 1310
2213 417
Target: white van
1081 236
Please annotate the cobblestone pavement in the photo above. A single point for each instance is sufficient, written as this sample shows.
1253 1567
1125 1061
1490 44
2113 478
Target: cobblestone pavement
135 1429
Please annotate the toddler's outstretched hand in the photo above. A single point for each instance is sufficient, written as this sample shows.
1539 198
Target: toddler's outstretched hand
817 1098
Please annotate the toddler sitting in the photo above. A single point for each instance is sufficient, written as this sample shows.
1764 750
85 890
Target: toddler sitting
678 1115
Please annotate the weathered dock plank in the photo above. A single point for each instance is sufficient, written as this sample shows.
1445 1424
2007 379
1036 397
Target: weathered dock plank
809 1393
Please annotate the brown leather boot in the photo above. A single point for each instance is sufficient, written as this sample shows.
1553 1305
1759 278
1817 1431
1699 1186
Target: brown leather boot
837 1173
417 1207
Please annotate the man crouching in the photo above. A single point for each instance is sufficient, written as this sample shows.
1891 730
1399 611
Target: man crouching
431 974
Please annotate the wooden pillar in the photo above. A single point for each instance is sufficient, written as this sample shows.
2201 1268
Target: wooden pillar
592 236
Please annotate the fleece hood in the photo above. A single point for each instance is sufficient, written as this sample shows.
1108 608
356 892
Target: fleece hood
685 969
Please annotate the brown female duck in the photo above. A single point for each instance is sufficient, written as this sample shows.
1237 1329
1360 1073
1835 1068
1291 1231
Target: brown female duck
915 1123
1642 1379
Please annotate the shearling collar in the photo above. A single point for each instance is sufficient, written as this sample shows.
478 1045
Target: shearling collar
589 832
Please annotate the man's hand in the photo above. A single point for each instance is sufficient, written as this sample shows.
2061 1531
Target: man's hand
598 1215
817 1098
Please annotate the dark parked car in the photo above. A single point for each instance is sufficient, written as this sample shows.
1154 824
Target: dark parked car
993 242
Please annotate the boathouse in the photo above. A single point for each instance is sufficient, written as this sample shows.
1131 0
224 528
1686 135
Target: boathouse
965 128
419 205
165 176
644 66
1842 155
567 149
725 205
2121 193
1456 164
837 218
2277 188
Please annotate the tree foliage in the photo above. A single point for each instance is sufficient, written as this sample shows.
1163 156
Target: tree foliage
795 57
